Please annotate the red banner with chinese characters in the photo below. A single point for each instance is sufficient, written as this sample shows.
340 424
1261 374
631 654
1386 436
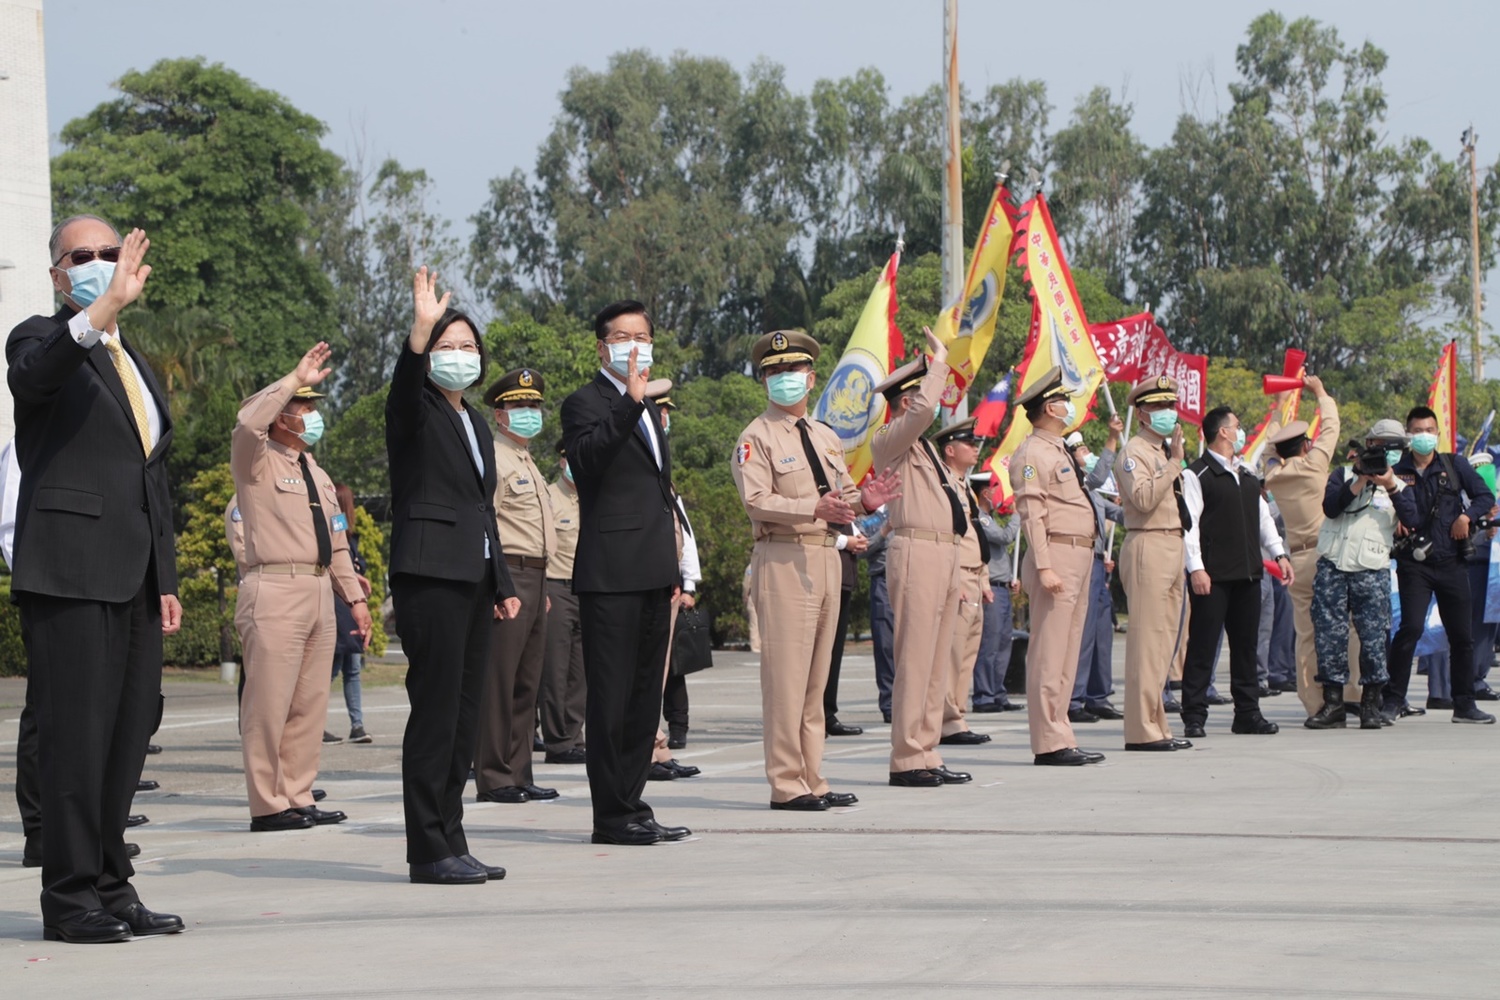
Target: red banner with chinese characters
1135 347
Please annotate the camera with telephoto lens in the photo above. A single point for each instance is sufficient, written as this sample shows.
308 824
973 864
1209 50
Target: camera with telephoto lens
1372 462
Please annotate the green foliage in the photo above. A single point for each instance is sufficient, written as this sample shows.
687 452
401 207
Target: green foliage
12 649
353 449
374 548
206 574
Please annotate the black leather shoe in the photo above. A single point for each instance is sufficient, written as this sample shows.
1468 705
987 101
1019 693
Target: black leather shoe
661 772
677 737
1081 715
1193 730
136 819
1093 756
1440 704
986 709
511 794
1219 699
1285 687
1486 694
152 748
287 819
1105 710
967 738
322 817
886 716
917 778
802 803
1171 705
833 727
1067 757
537 746
449 871
1406 711
88 927
147 785
1473 714
670 834
575 755
492 872
144 922
1010 706
319 795
539 794
1253 725
629 835
835 799
1266 692
682 770
1156 746
951 777
131 851
1182 744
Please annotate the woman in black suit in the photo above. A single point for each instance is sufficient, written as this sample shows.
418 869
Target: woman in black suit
448 575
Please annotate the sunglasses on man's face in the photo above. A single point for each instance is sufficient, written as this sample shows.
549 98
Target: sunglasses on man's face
78 258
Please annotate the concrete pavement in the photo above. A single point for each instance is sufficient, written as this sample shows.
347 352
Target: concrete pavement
1344 864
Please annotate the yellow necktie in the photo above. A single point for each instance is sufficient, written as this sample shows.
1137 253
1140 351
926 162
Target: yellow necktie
132 390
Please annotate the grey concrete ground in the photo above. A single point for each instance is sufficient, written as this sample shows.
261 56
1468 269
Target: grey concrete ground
1338 864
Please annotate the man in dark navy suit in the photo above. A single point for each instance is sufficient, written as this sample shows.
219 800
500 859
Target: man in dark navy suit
625 572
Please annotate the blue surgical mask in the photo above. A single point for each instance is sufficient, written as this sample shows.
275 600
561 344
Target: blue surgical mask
1090 462
89 281
525 422
1424 443
1070 414
787 388
312 427
666 422
455 370
1163 421
1239 440
1392 457
567 472
619 357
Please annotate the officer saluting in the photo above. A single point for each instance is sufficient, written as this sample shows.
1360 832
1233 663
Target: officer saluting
795 486
1061 523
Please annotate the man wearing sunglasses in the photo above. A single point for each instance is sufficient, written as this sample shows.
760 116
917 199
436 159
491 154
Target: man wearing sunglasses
96 573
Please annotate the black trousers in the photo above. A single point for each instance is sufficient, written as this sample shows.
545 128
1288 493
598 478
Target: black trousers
1232 607
674 701
95 685
1417 584
624 650
29 775
831 691
445 632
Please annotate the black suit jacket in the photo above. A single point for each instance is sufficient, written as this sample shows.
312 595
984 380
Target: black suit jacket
442 508
627 539
94 509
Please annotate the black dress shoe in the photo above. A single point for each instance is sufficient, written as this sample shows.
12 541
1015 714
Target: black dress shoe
802 803
131 851
1171 705
1485 694
1440 704
322 817
1473 714
1266 692
511 794
1066 757
835 799
152 748
886 716
833 727
951 777
1182 744
629 835
1105 710
917 778
449 871
661 772
668 833
1081 715
682 770
1219 699
676 737
967 738
539 794
319 795
1253 725
136 819
492 872
147 785
144 922
987 708
1010 706
1155 746
537 746
575 755
287 819
1193 730
88 927
1093 756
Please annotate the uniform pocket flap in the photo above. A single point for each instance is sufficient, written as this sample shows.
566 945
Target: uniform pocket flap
433 512
620 522
72 501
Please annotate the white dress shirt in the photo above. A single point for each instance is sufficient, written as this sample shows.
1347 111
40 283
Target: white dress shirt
1192 495
86 336
692 572
10 482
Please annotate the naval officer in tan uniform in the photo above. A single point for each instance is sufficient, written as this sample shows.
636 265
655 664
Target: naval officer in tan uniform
523 515
1152 560
296 557
795 486
960 453
1061 524
922 572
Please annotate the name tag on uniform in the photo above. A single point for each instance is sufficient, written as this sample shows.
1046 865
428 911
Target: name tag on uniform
1063 475
340 522
788 460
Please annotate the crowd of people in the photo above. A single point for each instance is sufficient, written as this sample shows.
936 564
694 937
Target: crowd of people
538 617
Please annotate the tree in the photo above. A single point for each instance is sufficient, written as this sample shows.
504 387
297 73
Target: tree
1098 163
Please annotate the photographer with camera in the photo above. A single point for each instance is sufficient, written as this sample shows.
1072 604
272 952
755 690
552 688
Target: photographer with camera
1353 576
1447 501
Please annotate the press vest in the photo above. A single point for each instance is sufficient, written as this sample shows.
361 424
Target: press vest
1360 538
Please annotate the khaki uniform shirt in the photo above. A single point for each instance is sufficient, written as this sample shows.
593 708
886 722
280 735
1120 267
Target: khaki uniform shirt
898 445
1050 501
273 502
776 483
523 509
563 496
1298 483
1146 477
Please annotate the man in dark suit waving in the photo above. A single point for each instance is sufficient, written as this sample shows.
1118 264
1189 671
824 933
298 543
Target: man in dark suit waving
625 572
96 573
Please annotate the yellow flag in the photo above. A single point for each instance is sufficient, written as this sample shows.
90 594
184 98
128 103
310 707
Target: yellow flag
1061 332
968 327
1443 398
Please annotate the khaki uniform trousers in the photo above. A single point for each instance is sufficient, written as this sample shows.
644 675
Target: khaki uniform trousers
1151 572
922 579
287 632
1304 569
507 706
796 593
1057 622
968 630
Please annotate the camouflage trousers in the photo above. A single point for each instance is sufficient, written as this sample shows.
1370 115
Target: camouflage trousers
1363 596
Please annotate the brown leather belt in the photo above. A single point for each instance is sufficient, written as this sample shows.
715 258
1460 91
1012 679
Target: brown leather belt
1077 541
526 562
1297 550
973 569
289 569
819 539
922 534
1164 531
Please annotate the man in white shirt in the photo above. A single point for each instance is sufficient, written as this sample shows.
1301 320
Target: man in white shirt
1231 524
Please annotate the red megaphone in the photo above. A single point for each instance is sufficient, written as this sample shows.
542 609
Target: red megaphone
1272 384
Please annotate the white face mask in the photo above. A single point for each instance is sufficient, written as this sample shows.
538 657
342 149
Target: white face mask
619 357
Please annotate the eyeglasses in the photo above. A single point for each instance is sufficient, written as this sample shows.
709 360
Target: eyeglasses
625 338
80 257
